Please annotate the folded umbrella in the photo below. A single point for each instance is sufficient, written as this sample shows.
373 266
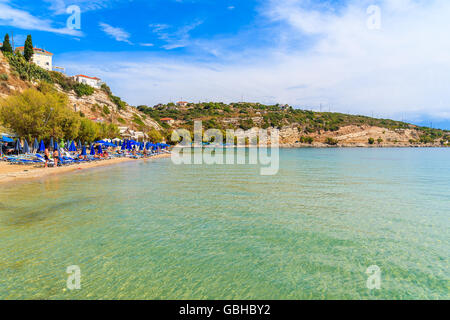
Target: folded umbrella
26 148
18 146
35 145
41 147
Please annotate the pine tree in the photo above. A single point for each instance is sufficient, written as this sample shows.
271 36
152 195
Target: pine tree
6 45
28 50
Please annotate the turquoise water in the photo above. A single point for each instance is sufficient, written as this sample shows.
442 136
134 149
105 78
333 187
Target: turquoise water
154 230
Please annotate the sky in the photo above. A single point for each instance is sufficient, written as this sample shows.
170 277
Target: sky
386 58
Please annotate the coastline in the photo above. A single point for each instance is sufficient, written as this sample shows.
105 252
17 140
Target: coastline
15 173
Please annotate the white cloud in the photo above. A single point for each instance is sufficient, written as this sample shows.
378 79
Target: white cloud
317 56
178 38
24 20
60 6
117 33
146 44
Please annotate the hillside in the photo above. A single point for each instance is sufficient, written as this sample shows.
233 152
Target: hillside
297 127
300 127
96 104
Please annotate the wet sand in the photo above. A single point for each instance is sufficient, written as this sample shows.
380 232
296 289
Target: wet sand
13 173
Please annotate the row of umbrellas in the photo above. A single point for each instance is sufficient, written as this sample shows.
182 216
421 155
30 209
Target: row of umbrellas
72 147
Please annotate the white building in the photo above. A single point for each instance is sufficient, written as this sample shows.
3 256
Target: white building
128 133
92 81
182 103
42 58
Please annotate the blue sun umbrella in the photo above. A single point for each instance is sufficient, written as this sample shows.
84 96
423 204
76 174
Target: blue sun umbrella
41 147
35 145
18 146
26 148
83 153
72 147
56 147
123 146
141 147
100 151
92 150
6 139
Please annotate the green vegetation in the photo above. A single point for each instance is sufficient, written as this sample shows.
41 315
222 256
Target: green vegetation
371 140
28 50
82 89
44 113
7 45
4 77
27 71
155 136
138 120
306 139
247 115
379 140
106 110
331 141
121 105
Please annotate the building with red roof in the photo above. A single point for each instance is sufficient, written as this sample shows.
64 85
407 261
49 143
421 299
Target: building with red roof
41 57
92 81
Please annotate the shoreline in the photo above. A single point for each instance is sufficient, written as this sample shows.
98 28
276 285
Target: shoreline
23 173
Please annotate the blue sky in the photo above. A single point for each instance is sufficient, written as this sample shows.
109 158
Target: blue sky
302 52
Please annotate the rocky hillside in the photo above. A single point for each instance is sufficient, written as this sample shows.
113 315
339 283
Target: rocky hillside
98 106
301 127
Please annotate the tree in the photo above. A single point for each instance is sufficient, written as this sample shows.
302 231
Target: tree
371 140
6 45
36 114
28 50
154 135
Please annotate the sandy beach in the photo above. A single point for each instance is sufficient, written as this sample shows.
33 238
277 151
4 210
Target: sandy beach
13 173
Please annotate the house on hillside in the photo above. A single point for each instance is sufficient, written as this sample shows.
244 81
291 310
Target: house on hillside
169 121
182 103
127 133
41 57
92 81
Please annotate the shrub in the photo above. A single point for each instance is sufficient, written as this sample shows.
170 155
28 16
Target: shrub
138 120
27 70
66 83
106 110
306 139
121 105
4 77
82 89
371 140
379 140
331 141
121 120
106 89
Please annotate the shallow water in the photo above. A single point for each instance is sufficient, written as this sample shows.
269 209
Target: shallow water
154 230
